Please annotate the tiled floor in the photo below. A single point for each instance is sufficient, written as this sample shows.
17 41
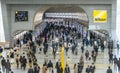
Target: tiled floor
101 62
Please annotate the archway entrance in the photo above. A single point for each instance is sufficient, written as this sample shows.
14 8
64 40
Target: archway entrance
69 16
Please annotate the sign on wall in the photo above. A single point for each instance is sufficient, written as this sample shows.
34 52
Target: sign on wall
21 16
100 16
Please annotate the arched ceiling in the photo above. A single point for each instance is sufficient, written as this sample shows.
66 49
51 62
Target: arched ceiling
59 9
65 9
39 15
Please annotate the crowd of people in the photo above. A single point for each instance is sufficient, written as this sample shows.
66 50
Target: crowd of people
54 37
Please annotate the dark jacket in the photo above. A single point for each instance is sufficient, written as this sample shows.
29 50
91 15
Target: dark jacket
67 70
30 70
92 68
109 70
8 65
87 70
60 70
3 62
57 64
24 61
50 64
118 63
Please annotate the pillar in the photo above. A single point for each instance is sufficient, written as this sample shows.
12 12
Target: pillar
2 35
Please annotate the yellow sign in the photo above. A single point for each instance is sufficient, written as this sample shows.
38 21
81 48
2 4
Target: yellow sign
100 16
63 58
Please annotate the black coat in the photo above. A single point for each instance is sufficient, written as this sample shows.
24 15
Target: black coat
109 70
24 61
87 70
118 63
50 64
67 70
8 65
30 70
57 64
92 69
60 70
3 62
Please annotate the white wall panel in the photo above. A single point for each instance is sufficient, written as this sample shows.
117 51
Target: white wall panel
2 35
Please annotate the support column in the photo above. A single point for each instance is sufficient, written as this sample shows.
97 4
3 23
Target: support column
113 25
2 35
6 15
118 20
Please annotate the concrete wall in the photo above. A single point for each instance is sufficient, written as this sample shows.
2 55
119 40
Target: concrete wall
25 25
33 8
97 26
59 1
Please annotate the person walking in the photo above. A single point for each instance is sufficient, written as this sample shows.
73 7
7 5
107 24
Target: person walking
8 66
67 69
94 57
80 66
66 49
34 60
115 62
68 62
58 63
50 66
30 61
21 61
36 68
95 47
87 55
110 57
92 68
44 69
118 64
109 70
24 62
87 69
30 70
75 68
54 52
117 45
11 56
17 61
102 47
60 69
82 48
3 63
